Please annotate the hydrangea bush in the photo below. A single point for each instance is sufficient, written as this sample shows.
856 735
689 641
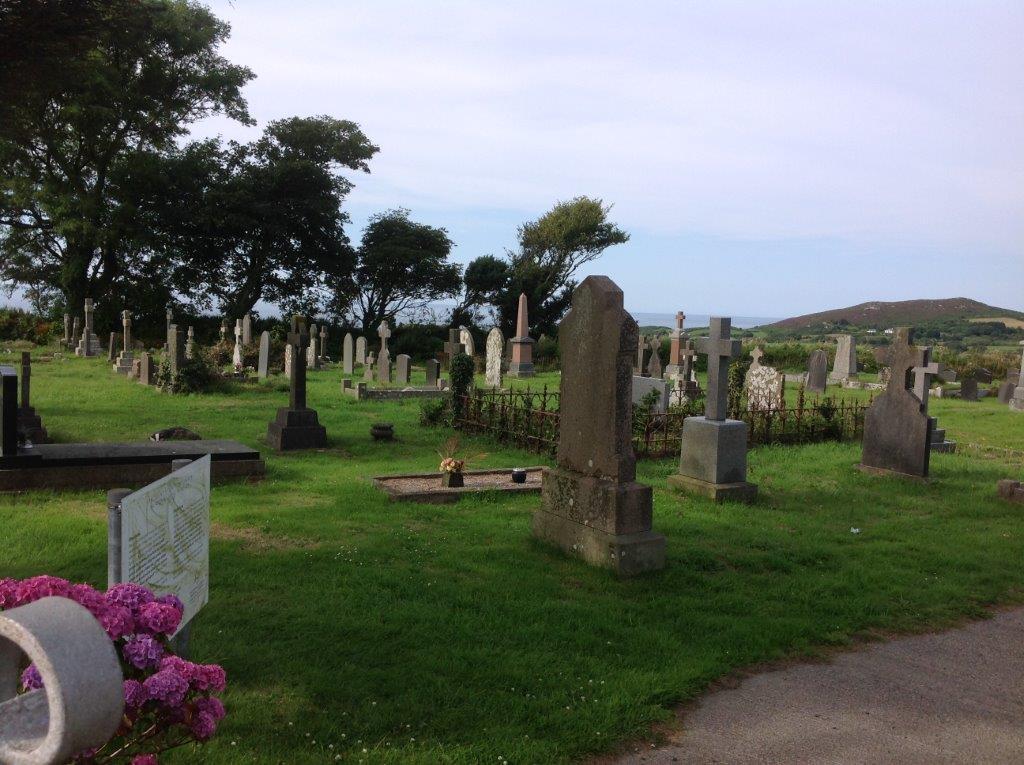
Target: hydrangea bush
168 701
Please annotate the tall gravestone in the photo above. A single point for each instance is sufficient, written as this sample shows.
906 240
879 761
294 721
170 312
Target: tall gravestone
236 355
322 348
190 343
641 349
384 355
466 338
175 349
433 371
817 371
124 361
923 376
897 428
247 329
845 367
66 340
522 344
169 317
30 424
360 350
686 380
146 369
224 329
495 346
347 355
263 367
313 351
1017 402
654 364
969 389
297 426
675 350
591 505
453 347
402 368
713 455
289 360
112 347
77 328
89 344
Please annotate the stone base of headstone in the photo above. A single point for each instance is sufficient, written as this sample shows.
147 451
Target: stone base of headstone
872 470
840 379
939 443
94 347
31 425
605 523
521 369
713 460
124 363
1010 490
1017 402
296 429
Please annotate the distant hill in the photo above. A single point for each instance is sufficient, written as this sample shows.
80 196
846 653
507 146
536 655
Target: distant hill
879 315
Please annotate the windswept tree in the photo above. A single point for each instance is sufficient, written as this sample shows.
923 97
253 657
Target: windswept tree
402 266
258 221
551 250
120 78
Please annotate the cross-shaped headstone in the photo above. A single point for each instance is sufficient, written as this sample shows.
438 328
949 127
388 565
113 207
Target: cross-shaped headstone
452 347
720 350
323 341
756 355
298 338
686 356
680 319
126 322
904 357
383 332
923 375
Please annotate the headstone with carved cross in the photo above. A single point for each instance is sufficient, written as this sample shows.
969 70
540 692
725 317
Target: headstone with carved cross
923 376
297 426
897 428
323 344
236 356
713 455
452 348
591 504
89 344
755 357
124 361
675 349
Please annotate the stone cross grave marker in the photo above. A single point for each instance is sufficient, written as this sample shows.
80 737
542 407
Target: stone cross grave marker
297 426
495 347
591 505
312 352
384 366
453 347
224 327
678 337
77 328
369 367
755 357
720 350
169 316
323 343
384 332
112 347
124 361
175 349
641 348
236 356
89 345
347 354
263 367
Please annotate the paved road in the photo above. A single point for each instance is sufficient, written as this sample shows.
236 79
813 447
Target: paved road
952 697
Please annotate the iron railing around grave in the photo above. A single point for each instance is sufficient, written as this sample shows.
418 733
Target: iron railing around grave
529 419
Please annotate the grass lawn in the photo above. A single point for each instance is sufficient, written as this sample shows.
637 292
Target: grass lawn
401 633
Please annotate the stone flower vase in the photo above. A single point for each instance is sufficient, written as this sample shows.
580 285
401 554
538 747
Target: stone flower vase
452 480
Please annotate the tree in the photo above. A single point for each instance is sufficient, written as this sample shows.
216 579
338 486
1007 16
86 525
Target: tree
402 265
484 279
112 80
551 250
258 221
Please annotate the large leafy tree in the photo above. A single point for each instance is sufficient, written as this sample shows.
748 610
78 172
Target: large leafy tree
402 265
551 251
111 82
257 221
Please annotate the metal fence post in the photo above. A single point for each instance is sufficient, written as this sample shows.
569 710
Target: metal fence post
114 498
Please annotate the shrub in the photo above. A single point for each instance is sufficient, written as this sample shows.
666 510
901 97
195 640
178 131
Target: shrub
16 324
434 412
196 375
461 373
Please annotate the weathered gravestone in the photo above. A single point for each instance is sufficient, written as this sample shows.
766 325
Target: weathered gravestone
591 505
969 389
89 344
347 355
495 347
654 364
713 455
112 347
897 430
923 376
1005 393
845 367
313 351
66 340
146 369
175 349
360 350
402 368
817 371
297 426
322 348
289 360
642 387
74 334
686 381
675 351
452 348
224 329
236 356
1017 402
263 366
124 361
247 329
190 343
81 703
30 424
384 366
466 338
765 388
369 368
169 317
521 364
433 371
641 349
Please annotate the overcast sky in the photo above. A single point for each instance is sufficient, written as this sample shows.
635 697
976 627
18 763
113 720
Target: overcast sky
767 158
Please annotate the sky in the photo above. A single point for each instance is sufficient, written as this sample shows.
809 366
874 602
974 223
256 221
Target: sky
767 158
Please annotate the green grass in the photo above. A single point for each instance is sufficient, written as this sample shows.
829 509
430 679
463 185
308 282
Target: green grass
430 634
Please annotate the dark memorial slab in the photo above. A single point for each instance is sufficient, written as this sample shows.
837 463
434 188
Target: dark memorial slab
817 371
713 451
897 428
30 424
297 426
591 505
969 389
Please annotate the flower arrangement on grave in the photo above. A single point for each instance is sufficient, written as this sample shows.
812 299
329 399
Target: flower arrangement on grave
452 466
168 701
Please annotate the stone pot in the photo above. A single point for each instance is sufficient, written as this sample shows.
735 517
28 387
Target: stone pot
382 431
518 475
452 480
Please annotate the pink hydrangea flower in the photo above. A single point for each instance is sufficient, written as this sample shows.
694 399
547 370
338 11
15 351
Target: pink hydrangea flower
171 599
166 686
157 618
89 597
130 595
209 677
31 679
116 620
203 726
211 706
36 587
8 588
143 651
134 694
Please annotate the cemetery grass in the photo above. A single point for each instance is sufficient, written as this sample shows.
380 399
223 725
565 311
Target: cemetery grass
402 633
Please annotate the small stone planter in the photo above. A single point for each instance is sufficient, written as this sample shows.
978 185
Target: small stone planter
382 431
452 480
518 475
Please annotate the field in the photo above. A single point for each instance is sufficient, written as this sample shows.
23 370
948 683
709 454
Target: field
355 629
